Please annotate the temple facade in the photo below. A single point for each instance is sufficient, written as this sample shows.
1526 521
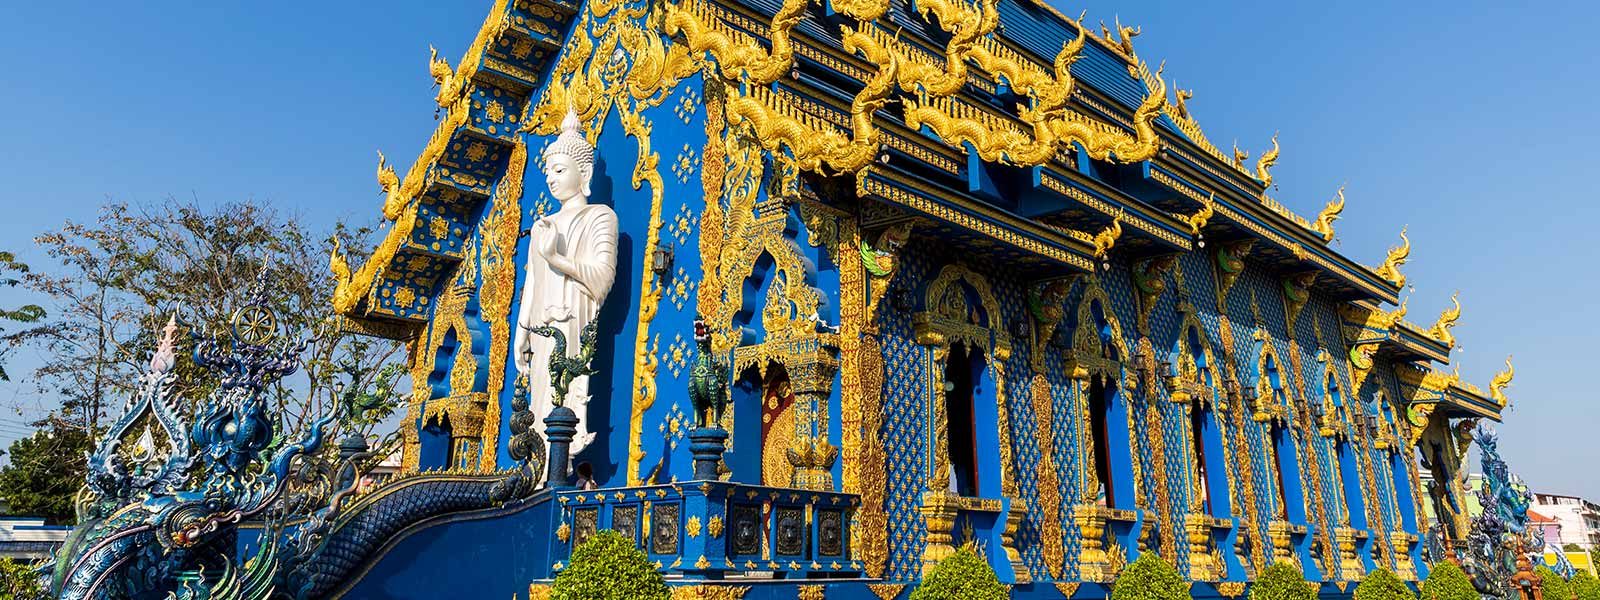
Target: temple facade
967 273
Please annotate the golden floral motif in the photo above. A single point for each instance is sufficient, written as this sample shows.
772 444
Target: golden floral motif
714 527
813 592
886 591
405 297
708 592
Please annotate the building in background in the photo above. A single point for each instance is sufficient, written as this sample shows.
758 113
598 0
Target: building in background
29 539
1580 518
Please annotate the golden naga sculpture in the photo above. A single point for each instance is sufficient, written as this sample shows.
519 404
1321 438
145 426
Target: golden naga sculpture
1198 220
1397 315
443 76
1390 271
1107 238
1501 380
1052 131
1181 106
1239 156
1265 163
864 10
1125 36
389 184
1447 319
344 296
1329 214
813 142
966 27
737 54
1049 91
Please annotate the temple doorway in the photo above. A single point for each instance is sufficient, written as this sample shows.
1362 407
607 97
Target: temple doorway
1099 420
963 374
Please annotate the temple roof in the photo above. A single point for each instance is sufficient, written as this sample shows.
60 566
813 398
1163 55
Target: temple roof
433 210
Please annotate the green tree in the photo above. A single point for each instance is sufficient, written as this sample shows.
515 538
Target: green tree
45 473
1150 578
1555 586
27 314
1586 585
18 581
121 277
1446 581
1282 581
1383 585
608 566
1572 548
964 575
118 279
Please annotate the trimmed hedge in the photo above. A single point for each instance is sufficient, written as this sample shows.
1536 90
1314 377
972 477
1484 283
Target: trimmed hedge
1448 582
1282 581
1150 578
1383 585
1555 586
1586 585
609 566
962 576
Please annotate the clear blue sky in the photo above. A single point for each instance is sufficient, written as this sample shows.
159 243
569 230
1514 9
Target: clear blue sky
1470 121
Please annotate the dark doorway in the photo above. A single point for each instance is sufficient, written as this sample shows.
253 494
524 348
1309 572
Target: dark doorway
1198 417
1099 401
961 373
1280 490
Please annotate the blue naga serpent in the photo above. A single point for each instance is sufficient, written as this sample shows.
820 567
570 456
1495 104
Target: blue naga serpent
152 516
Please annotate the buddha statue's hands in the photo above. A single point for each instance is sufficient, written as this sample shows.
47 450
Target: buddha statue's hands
544 235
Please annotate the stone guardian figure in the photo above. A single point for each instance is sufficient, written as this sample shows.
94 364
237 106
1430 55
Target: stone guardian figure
572 262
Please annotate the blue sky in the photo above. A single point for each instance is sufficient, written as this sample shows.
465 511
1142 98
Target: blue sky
1469 121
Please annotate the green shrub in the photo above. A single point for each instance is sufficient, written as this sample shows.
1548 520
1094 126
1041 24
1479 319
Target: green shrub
18 580
609 567
1555 586
1586 585
1383 585
1448 582
1150 578
962 576
1282 581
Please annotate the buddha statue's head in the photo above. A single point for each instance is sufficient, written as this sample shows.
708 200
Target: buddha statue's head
569 162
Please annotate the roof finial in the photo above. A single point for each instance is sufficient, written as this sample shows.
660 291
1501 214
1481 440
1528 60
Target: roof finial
1390 271
1329 214
1266 161
1447 319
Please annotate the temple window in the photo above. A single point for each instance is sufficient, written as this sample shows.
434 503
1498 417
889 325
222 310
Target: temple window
1099 403
963 370
1193 382
1197 425
1280 485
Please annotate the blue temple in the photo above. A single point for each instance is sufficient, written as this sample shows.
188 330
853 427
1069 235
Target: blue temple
969 274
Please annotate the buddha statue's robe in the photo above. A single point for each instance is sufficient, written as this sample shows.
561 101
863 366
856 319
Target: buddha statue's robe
587 236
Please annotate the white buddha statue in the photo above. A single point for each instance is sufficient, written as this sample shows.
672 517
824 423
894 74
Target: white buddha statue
572 261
